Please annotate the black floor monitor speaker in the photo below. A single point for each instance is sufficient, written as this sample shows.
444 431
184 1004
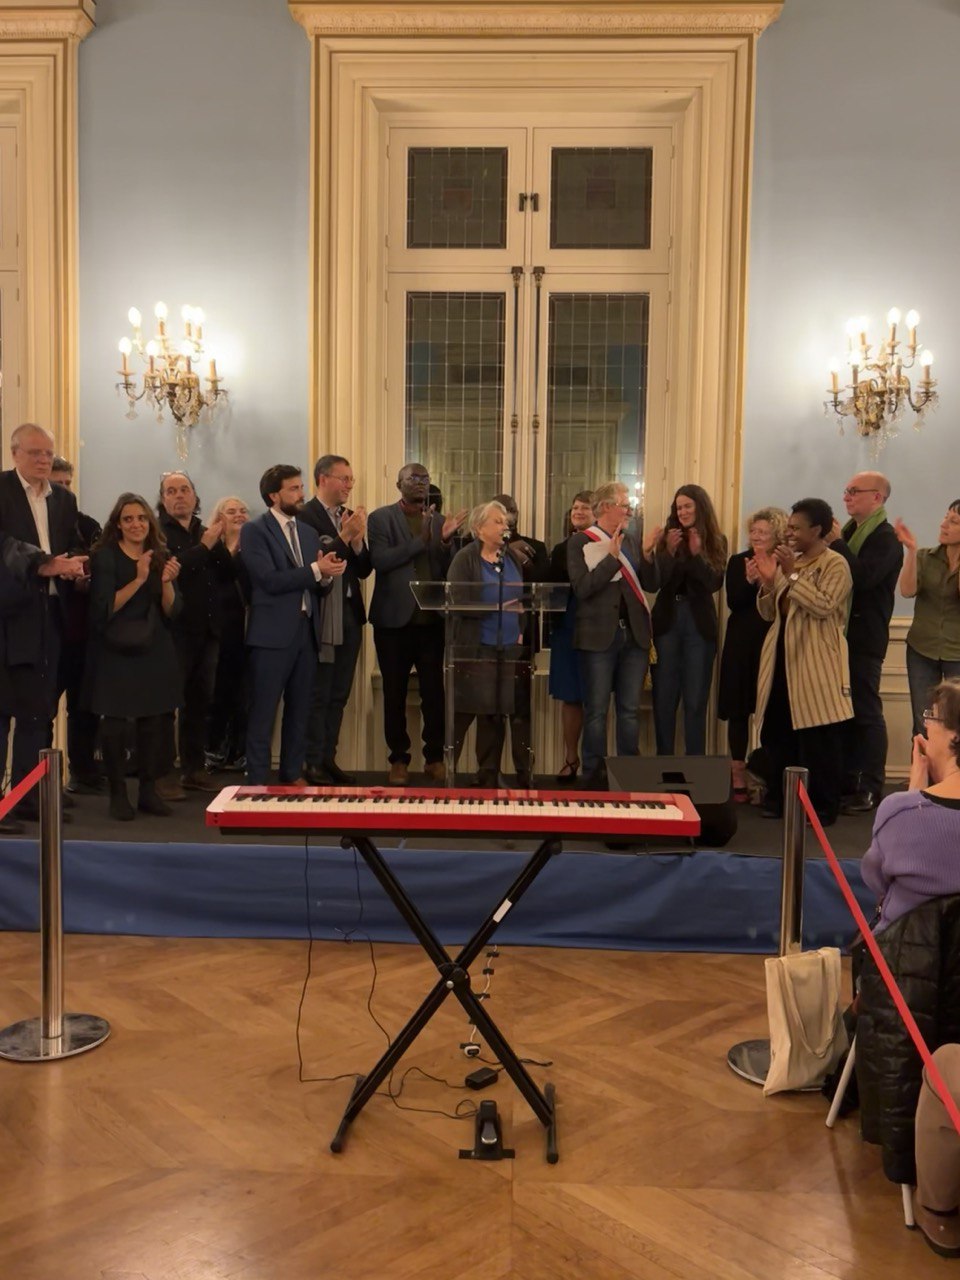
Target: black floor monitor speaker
705 779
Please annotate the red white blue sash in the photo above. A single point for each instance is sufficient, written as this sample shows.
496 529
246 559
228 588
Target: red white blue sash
596 534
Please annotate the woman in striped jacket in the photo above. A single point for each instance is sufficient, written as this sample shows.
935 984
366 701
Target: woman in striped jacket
803 689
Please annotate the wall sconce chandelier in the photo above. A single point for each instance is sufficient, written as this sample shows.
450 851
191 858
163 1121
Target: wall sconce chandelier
879 391
169 380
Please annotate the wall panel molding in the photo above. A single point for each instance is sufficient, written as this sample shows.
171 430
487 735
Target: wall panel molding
38 92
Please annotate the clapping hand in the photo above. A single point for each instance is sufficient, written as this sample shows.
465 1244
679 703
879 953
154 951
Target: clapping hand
354 527
674 538
331 566
452 524
765 568
905 535
143 565
650 540
69 567
212 534
919 764
785 558
615 545
751 569
694 541
171 570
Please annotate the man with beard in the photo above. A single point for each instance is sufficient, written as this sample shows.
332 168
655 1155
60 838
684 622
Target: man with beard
289 574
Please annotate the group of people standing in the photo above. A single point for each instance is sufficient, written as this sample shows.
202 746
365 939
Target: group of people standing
158 613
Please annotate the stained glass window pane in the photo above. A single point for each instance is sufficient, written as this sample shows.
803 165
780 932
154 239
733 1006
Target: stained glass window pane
455 392
601 197
596 396
457 198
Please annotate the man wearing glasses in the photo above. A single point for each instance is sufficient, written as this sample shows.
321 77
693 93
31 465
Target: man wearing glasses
410 542
609 571
872 550
35 511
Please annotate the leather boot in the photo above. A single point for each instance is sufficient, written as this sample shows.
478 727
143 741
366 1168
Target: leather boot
113 735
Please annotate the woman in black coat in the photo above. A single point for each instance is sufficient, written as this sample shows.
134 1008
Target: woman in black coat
740 661
227 725
133 670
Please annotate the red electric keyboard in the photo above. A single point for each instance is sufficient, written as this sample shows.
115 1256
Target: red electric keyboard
356 814
403 811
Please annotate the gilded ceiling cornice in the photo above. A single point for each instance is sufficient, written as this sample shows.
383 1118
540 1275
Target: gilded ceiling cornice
56 20
530 17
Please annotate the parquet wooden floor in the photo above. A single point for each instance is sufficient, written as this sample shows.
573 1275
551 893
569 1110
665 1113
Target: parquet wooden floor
186 1149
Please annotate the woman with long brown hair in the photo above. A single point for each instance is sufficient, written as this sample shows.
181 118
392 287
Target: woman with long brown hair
691 557
133 669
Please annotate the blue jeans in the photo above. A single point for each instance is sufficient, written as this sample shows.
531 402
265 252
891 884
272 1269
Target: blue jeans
618 669
923 674
684 668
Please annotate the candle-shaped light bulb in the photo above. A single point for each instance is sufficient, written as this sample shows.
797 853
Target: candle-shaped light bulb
161 311
186 312
198 316
834 371
213 371
926 360
913 319
153 350
125 346
863 324
135 318
893 316
186 351
852 327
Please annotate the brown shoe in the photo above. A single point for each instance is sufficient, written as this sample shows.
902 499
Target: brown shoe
399 774
170 788
940 1230
198 781
436 771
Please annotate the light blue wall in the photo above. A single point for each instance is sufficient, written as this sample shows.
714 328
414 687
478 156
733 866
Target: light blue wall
855 209
194 155
194 187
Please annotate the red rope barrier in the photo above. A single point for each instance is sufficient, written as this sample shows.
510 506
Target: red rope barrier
16 794
936 1079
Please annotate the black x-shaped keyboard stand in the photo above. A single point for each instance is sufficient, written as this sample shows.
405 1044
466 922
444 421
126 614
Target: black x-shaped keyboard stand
453 979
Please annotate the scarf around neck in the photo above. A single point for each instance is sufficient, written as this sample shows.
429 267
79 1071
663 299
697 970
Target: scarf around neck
855 535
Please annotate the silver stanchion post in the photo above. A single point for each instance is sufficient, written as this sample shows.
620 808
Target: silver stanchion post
54 1034
751 1058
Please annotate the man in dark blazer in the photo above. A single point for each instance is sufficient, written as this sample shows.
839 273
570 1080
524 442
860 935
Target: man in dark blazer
409 542
344 532
871 548
34 511
289 575
609 571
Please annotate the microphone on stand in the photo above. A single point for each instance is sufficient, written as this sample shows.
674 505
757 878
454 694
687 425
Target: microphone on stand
504 539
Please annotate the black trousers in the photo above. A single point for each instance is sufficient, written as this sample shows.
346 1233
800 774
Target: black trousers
491 732
152 733
35 692
738 736
399 651
227 724
82 724
331 692
819 749
198 661
865 736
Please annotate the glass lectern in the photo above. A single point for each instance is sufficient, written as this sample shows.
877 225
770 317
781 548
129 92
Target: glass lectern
491 633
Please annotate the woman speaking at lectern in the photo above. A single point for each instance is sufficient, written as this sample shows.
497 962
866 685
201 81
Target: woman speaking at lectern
492 676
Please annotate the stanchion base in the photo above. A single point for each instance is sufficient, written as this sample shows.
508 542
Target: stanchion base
22 1041
750 1059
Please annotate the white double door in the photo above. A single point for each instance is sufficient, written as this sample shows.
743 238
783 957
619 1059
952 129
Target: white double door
527 274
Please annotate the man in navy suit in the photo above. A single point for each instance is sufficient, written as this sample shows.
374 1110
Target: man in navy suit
343 531
31 637
410 542
289 575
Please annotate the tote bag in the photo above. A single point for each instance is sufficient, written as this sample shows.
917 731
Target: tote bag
807 1035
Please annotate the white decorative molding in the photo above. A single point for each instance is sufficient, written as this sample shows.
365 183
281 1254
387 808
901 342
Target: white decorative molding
322 18
63 20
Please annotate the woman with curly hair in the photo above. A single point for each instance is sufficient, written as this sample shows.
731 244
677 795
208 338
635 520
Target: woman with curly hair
691 557
133 672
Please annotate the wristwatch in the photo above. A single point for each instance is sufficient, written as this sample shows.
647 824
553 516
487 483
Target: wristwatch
794 577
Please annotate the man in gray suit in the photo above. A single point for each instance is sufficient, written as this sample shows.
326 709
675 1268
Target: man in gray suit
609 571
408 543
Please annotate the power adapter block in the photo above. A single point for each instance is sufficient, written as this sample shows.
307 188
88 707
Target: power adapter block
481 1078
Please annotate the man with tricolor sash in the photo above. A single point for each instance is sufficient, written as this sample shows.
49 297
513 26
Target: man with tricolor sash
609 571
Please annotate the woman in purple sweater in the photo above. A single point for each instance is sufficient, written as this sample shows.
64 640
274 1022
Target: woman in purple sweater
915 851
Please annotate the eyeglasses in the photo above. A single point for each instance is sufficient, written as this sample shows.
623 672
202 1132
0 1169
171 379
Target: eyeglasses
930 714
37 453
850 492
